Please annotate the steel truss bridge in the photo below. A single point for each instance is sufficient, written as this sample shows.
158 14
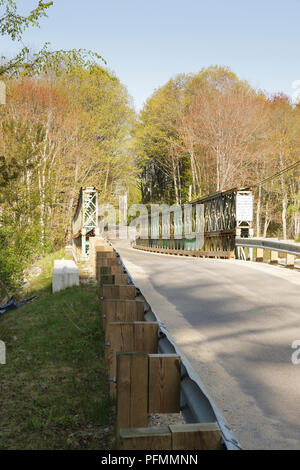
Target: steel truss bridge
85 221
209 229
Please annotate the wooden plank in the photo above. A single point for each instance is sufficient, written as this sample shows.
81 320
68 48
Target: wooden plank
132 390
109 270
164 383
120 338
126 337
106 279
145 439
116 310
107 262
116 279
103 248
202 436
111 291
146 336
121 279
106 254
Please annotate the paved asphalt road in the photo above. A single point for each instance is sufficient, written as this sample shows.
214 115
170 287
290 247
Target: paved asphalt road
235 321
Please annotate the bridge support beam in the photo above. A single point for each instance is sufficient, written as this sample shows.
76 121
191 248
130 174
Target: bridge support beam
83 245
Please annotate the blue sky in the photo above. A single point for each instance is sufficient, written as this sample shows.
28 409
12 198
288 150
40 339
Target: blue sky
147 42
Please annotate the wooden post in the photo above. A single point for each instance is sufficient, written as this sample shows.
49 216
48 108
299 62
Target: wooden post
109 270
145 439
106 279
290 260
259 254
204 436
116 310
103 248
126 337
111 291
164 383
105 254
132 390
121 279
107 262
116 279
274 257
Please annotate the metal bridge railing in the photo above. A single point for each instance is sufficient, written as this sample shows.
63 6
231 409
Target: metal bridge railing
282 246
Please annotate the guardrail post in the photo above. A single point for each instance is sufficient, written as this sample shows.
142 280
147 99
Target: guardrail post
274 257
132 390
108 271
116 310
116 279
259 254
108 262
290 260
126 337
164 383
122 292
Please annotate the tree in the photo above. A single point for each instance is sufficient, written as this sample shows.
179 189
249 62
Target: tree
221 128
13 25
158 144
284 147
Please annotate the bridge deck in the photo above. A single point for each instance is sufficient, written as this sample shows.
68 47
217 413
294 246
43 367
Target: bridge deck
235 321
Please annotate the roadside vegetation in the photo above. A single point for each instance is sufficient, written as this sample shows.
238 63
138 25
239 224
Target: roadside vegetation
210 131
54 391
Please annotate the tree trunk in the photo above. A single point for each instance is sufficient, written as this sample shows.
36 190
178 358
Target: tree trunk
175 181
284 202
258 211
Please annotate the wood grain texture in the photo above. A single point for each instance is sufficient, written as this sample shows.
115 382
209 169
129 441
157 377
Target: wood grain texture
132 390
105 254
126 337
164 383
122 292
107 262
145 439
202 436
108 270
116 279
116 310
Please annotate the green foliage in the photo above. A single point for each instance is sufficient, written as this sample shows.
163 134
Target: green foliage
54 387
13 24
18 247
58 133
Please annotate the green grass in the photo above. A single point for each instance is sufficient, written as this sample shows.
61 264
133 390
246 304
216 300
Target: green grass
54 392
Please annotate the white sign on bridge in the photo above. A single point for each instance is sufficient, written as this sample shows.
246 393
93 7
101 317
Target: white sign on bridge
244 207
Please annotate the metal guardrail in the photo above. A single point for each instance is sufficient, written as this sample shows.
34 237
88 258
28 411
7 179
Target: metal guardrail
195 403
292 248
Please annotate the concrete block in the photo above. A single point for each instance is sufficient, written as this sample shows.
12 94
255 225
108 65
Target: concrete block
65 274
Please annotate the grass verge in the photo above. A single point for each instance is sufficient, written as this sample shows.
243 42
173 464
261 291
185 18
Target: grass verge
54 391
